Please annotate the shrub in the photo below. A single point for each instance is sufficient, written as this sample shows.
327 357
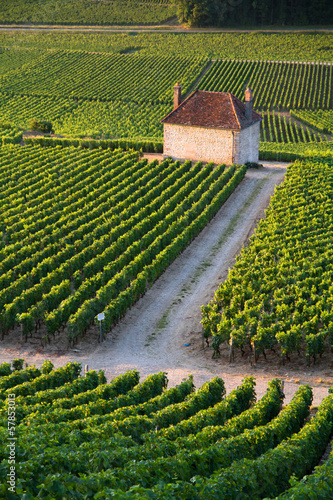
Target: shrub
40 125
18 364
5 369
47 367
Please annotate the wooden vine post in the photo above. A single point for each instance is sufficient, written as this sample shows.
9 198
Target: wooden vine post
231 350
253 359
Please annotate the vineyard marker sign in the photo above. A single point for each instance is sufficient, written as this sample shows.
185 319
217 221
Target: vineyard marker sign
100 318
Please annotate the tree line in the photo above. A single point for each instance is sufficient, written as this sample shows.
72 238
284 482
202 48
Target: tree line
232 13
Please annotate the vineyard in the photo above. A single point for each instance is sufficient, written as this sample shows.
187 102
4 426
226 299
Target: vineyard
82 118
87 225
19 110
278 127
279 293
116 77
88 231
114 104
9 135
278 85
13 59
278 151
82 437
47 76
67 252
300 46
85 12
111 105
113 119
319 119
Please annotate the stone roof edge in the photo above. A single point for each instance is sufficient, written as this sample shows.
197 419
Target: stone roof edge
180 105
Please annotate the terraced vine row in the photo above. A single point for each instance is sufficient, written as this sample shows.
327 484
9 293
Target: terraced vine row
88 231
279 292
127 438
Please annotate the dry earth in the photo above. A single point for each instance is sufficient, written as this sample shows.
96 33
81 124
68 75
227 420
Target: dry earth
162 332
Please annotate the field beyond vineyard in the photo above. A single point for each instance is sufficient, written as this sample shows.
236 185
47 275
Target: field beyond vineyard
48 76
86 12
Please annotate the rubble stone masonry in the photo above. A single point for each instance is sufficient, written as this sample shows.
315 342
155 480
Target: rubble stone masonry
247 148
184 142
197 143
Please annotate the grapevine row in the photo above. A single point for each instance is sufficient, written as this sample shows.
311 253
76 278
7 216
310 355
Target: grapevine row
276 84
216 457
155 445
279 293
136 78
239 399
319 119
265 476
279 128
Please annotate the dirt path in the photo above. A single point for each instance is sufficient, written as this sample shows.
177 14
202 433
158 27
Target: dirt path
158 28
154 332
153 335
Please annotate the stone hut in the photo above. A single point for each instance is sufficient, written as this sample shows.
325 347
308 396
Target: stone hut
212 126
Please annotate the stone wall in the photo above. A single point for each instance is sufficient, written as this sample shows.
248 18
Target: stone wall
197 143
247 144
209 144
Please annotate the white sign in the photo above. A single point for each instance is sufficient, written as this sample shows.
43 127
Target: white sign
100 316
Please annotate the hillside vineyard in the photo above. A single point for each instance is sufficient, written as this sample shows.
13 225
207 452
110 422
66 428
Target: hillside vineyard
55 85
278 84
96 229
279 292
84 438
88 224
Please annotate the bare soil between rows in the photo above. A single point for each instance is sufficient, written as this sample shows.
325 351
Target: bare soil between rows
162 331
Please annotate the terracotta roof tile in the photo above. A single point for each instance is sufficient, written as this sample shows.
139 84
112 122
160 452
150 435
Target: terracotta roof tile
211 109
